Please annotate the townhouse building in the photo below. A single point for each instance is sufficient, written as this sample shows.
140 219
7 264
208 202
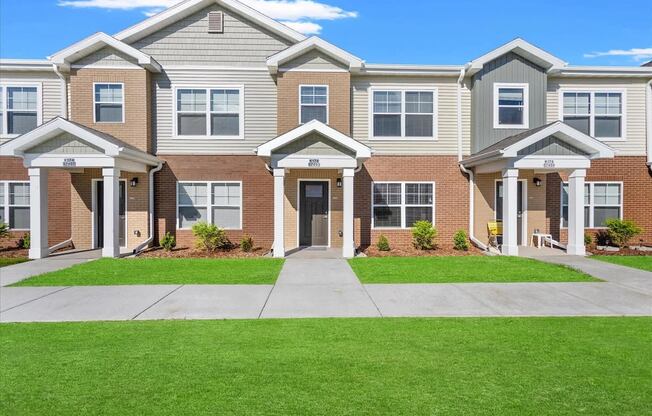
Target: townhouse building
211 111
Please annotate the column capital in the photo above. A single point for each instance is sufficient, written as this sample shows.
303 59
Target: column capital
510 173
110 172
279 172
35 171
348 172
577 173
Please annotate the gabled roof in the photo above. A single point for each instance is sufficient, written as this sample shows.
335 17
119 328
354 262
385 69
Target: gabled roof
510 146
96 42
520 47
314 43
314 126
648 64
188 7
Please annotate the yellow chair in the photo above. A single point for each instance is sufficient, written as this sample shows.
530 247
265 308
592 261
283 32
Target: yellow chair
495 229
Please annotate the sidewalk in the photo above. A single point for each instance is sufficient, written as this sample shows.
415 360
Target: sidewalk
17 272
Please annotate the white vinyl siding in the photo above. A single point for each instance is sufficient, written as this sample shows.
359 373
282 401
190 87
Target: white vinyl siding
218 203
401 204
602 200
14 204
215 112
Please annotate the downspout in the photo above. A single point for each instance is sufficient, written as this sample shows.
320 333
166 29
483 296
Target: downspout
64 92
145 243
648 93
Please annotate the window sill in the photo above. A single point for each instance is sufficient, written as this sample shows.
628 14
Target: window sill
393 138
204 137
611 139
511 126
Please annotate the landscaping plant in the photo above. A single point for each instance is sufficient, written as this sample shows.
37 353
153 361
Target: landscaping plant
461 241
4 230
588 240
24 241
209 236
247 243
383 243
168 242
621 231
423 235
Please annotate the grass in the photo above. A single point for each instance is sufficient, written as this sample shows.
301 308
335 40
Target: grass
8 261
492 366
150 271
637 262
462 270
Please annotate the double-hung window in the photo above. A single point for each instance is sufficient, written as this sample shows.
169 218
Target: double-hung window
313 103
602 200
218 203
14 204
403 113
596 113
109 102
19 108
400 204
511 106
215 112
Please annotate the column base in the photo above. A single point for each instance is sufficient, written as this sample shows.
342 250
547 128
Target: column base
509 250
348 252
279 254
576 250
110 252
36 253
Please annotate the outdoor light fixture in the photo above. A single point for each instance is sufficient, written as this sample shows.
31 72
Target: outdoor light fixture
133 182
537 181
338 182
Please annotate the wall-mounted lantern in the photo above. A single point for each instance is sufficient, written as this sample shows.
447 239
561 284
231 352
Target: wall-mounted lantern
537 182
338 182
133 182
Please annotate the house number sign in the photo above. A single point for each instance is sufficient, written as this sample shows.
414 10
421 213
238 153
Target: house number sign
69 162
313 163
549 163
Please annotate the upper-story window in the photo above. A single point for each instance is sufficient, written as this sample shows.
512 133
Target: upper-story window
511 106
109 103
209 112
597 113
314 103
403 114
19 109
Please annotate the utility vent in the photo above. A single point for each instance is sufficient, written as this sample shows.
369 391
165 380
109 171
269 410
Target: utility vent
215 22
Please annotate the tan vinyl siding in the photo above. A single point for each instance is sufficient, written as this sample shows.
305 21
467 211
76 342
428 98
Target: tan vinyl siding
314 61
107 57
446 142
634 144
259 102
187 42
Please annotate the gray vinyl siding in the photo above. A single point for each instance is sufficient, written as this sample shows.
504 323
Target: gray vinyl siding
65 143
314 61
259 102
187 42
551 146
314 144
509 68
107 56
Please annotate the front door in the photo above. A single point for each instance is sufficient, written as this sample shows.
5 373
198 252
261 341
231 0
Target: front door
519 207
99 214
313 213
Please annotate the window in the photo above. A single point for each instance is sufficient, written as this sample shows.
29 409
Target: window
14 204
400 205
602 200
407 114
314 103
222 207
209 112
19 109
596 113
511 106
109 103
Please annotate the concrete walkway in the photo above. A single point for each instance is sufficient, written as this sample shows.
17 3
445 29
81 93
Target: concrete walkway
309 288
21 271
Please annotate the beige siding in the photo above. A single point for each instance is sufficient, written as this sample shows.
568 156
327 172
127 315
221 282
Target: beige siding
446 142
107 57
187 42
314 61
634 144
259 102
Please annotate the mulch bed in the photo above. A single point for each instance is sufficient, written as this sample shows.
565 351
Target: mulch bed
621 252
373 251
186 252
12 252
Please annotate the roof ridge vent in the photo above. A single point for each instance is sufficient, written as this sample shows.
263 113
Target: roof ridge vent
215 22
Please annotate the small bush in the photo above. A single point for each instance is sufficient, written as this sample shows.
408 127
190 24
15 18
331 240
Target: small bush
247 243
588 240
24 241
168 242
4 230
209 236
423 235
461 241
601 238
383 243
621 231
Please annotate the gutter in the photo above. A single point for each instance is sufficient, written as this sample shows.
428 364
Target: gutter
64 92
648 93
140 247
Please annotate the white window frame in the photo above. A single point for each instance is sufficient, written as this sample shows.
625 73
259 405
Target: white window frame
592 205
209 203
526 105
7 83
327 105
403 204
592 115
403 90
6 206
122 103
208 112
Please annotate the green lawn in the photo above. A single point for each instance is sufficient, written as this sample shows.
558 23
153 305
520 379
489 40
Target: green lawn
638 262
461 270
492 366
8 261
149 271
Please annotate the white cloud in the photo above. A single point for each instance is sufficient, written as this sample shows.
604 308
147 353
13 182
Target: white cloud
638 54
298 14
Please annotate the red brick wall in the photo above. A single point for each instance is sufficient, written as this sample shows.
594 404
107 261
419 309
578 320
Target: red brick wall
637 186
11 168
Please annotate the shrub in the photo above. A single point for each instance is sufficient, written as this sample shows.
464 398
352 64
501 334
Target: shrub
383 243
168 242
588 240
621 231
423 235
601 238
24 241
247 243
4 230
461 241
209 236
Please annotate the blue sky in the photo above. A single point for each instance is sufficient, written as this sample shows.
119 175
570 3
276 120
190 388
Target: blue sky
419 32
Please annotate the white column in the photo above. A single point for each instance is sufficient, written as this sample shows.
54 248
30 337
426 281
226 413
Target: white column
38 213
348 249
279 202
510 213
576 213
111 214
